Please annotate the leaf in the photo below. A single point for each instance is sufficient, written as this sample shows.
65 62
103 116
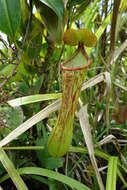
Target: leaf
91 13
25 79
36 26
16 118
112 173
13 117
56 6
38 84
101 29
10 14
34 46
8 68
51 174
45 159
52 13
123 6
31 122
23 88
12 172
85 126
79 9
33 99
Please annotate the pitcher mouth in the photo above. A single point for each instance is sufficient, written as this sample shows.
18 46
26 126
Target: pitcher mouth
86 65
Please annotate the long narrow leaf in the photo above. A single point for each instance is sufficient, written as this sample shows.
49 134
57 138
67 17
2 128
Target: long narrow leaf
85 126
51 174
33 99
84 150
92 14
101 29
12 172
112 173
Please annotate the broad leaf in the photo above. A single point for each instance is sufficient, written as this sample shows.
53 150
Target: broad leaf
52 13
10 14
45 159
36 26
56 6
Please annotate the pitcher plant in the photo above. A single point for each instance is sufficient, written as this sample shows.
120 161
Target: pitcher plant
73 73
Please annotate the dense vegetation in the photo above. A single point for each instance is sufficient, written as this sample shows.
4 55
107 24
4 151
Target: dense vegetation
31 52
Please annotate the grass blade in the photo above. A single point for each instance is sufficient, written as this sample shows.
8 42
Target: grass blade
85 126
12 172
33 99
112 173
51 174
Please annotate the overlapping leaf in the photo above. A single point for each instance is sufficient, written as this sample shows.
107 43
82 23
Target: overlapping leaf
10 14
52 13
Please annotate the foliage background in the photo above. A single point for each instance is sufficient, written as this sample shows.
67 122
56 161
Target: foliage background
30 58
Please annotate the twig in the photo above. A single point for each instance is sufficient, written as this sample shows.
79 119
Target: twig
22 48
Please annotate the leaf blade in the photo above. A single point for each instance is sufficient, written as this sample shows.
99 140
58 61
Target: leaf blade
10 15
112 173
33 99
12 172
51 174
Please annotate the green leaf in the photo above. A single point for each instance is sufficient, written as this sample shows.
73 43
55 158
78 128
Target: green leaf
33 99
12 172
14 117
101 29
36 26
52 13
91 13
112 173
45 159
25 79
34 46
10 14
84 150
51 174
2 170
79 9
56 6
38 84
23 88
123 6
